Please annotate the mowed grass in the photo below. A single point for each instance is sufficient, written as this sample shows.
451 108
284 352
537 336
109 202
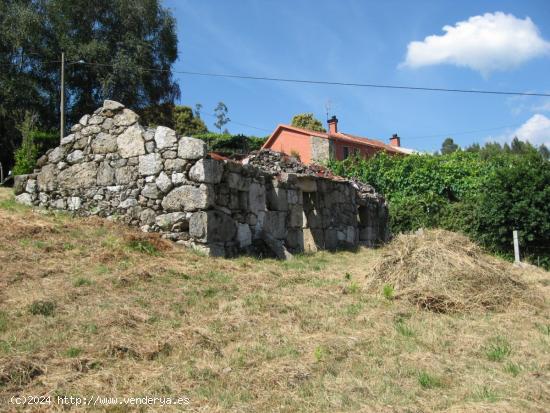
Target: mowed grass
89 307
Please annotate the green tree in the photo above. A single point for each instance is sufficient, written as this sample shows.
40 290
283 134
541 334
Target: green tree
120 41
516 195
449 146
307 121
221 116
187 123
27 154
544 152
474 147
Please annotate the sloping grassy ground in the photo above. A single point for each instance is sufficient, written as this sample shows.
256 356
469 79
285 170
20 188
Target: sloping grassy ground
89 307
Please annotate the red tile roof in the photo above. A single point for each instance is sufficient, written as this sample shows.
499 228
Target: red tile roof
345 137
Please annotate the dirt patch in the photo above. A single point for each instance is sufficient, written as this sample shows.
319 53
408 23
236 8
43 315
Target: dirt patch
445 272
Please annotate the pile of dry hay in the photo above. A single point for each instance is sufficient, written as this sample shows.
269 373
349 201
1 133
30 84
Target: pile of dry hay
444 271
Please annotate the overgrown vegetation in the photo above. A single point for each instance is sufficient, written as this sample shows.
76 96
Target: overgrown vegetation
484 192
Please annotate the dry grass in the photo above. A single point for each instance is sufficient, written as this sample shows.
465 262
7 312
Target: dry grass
134 316
444 272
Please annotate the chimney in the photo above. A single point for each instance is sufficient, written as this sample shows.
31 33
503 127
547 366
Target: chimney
395 140
333 125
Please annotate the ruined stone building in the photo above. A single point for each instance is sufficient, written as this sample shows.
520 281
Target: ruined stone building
111 166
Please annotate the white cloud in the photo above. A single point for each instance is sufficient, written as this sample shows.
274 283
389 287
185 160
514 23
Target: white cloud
535 130
494 41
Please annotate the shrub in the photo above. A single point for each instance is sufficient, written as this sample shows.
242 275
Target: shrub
27 154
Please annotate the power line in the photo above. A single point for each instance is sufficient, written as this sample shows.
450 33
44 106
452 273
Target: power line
327 82
331 83
371 85
462 133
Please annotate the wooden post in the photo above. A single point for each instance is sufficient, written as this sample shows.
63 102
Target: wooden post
516 247
62 105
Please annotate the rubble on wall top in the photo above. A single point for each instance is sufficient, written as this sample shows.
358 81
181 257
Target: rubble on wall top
276 163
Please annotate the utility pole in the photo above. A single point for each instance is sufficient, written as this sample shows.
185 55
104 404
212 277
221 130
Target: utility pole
62 106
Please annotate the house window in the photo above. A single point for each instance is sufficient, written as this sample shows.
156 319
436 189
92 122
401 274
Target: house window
346 152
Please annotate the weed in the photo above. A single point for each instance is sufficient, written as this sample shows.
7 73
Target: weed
67 246
353 310
498 348
402 328
427 381
512 368
347 276
81 281
42 307
74 352
388 292
353 288
485 393
143 246
320 353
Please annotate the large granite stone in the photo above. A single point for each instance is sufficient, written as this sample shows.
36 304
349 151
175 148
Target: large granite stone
150 164
112 105
166 221
126 175
191 148
188 198
207 171
82 175
105 174
165 137
212 226
47 178
130 142
104 143
126 118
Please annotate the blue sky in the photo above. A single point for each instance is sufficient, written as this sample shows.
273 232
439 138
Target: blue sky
495 45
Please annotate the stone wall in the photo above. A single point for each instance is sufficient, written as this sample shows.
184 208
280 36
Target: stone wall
113 167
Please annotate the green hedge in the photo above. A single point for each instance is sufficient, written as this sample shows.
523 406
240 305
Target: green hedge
485 197
231 144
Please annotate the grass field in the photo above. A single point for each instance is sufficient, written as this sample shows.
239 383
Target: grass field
89 307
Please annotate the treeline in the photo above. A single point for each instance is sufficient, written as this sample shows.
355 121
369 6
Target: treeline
114 49
486 193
